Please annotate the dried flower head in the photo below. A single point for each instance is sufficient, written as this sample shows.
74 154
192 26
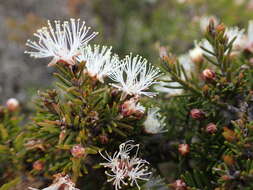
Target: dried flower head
154 122
99 61
61 182
135 76
62 42
125 169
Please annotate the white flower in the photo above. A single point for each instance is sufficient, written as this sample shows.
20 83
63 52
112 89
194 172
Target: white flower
206 45
239 2
186 61
61 42
63 183
249 37
99 61
250 32
231 33
205 20
154 123
124 167
174 88
139 172
135 76
12 104
196 54
235 32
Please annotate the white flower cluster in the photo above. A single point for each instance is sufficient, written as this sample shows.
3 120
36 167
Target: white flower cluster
61 182
67 42
125 169
241 42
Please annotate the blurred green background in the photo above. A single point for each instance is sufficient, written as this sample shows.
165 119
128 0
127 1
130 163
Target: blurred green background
138 26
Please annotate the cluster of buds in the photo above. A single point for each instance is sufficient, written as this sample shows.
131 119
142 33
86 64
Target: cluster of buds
78 151
61 182
124 168
132 107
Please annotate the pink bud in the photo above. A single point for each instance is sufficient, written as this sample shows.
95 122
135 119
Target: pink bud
131 107
197 114
179 185
78 151
208 74
211 128
38 165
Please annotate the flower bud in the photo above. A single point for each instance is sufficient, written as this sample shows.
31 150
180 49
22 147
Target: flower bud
229 160
93 116
208 74
196 55
78 151
179 185
226 178
197 114
12 104
183 149
131 107
38 165
211 128
229 134
220 28
62 135
103 139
